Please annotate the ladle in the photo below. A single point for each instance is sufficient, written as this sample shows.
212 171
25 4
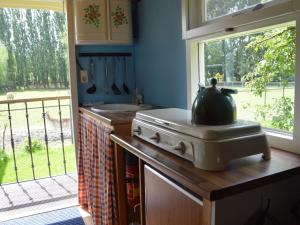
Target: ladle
114 87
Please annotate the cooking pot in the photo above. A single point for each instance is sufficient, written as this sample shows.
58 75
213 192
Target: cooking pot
214 106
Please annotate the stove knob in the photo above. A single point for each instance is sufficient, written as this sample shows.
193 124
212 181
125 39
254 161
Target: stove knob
137 130
180 148
155 137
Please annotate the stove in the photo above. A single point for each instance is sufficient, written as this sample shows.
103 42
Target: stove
207 147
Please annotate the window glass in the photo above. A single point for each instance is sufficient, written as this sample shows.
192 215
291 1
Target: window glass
261 67
217 8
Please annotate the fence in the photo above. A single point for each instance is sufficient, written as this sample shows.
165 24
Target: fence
8 107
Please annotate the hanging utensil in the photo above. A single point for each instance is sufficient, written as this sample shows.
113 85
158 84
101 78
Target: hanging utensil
114 87
106 77
92 89
125 87
101 86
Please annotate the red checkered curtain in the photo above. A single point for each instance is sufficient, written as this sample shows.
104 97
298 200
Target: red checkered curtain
96 185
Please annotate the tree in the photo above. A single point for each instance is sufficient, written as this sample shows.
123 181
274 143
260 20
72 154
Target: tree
36 46
6 38
278 61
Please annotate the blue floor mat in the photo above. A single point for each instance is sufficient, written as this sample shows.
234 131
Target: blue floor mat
68 216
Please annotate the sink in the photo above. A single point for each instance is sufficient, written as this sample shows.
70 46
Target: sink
119 108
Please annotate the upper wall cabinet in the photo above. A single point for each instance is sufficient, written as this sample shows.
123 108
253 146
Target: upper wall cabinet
103 22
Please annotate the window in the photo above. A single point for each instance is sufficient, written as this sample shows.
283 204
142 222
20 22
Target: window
259 57
261 66
218 8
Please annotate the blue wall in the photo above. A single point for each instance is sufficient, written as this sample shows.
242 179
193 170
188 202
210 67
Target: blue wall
100 95
160 53
159 58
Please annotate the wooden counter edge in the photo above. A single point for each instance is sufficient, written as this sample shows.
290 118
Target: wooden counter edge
95 115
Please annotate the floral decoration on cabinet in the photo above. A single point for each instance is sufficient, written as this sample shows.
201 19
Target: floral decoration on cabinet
119 17
92 15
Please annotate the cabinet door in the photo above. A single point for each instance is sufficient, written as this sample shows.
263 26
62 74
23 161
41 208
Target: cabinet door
168 204
91 21
120 21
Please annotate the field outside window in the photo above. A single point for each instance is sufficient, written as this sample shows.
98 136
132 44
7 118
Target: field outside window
261 66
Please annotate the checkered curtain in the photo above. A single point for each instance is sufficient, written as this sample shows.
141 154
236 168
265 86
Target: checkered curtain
96 185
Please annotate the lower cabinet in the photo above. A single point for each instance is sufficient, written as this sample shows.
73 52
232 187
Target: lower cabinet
168 204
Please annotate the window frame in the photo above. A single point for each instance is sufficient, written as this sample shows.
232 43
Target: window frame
194 49
194 24
270 3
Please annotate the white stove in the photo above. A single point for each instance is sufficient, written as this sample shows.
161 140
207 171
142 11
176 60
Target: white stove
207 147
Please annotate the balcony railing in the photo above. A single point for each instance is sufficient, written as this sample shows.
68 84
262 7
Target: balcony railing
35 124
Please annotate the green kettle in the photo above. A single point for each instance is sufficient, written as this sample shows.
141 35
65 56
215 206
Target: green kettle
214 106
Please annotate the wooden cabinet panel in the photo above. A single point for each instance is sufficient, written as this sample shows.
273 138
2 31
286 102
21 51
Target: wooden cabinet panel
103 21
120 21
168 204
91 20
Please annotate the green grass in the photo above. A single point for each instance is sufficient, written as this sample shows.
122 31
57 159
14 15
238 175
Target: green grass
247 102
7 173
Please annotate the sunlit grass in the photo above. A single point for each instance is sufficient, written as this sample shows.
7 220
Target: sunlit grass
23 160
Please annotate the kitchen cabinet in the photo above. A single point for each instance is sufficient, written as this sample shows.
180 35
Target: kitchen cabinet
168 204
173 191
103 22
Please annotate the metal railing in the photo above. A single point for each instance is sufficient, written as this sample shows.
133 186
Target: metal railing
45 120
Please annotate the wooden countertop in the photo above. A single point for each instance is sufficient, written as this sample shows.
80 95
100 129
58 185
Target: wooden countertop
241 175
113 119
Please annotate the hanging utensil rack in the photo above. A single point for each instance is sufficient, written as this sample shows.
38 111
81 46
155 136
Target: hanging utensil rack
105 54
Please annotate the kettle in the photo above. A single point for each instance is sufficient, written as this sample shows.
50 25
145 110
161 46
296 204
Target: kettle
214 106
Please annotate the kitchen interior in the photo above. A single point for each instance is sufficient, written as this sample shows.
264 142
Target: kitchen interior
176 155
157 146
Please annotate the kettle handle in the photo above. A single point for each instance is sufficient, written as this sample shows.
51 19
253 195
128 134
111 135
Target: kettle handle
227 91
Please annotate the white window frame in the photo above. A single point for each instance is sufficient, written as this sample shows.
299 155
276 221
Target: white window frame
194 24
284 5
276 139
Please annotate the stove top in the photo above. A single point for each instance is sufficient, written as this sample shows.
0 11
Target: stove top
180 120
208 147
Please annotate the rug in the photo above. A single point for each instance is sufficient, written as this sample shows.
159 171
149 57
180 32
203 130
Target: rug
68 216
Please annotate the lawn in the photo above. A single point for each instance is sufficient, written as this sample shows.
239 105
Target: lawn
247 103
7 172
